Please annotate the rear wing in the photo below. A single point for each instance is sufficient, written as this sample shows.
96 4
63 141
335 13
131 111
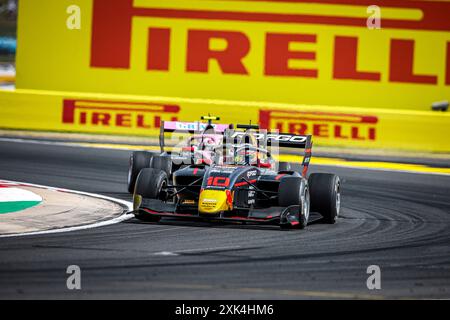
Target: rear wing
284 140
287 140
188 128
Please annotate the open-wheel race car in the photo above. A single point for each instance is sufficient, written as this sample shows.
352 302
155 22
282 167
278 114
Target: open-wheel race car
241 183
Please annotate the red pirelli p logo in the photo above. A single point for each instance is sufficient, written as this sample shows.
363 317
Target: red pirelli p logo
96 113
328 125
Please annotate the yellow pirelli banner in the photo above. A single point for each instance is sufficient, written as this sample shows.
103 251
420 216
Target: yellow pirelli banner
392 54
143 116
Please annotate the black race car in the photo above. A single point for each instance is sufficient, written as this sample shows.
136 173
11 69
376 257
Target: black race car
243 183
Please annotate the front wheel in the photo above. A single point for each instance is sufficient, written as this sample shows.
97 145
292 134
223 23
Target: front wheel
149 184
292 192
325 195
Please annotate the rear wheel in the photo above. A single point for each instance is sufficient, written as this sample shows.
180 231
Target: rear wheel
163 163
291 193
325 195
138 160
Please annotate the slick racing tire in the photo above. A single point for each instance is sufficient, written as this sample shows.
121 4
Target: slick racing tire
150 182
325 191
138 161
284 166
290 193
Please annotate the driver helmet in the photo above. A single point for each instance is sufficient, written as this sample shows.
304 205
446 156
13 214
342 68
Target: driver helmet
246 151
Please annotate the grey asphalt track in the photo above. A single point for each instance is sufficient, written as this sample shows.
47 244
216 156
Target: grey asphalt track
398 221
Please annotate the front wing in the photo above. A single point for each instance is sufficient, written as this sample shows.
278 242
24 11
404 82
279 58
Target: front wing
272 216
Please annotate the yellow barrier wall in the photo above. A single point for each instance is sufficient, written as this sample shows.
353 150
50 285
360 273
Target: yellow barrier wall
302 52
134 115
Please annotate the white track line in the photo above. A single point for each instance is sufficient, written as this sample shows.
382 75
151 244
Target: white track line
349 166
128 205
